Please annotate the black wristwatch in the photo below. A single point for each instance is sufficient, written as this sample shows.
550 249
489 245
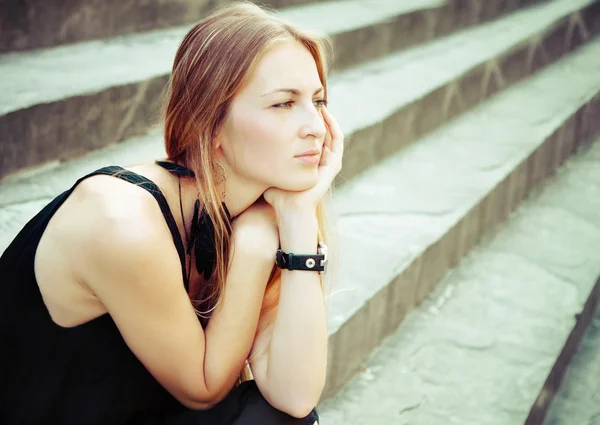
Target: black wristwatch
313 262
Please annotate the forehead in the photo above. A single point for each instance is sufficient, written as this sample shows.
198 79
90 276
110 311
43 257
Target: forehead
285 65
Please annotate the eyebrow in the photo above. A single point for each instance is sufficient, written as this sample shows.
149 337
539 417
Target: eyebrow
292 91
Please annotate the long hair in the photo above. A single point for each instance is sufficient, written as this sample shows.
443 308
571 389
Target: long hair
212 64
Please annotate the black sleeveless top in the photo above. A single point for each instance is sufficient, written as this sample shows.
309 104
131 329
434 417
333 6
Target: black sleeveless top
71 376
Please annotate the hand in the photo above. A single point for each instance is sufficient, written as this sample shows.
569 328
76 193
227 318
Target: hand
329 166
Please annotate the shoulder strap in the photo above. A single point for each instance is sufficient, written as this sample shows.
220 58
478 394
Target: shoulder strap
143 182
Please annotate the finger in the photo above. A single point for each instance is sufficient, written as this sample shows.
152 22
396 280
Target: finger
327 138
323 159
337 137
328 168
332 161
324 156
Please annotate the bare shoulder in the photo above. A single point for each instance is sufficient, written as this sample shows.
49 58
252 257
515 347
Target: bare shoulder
116 223
104 226
111 198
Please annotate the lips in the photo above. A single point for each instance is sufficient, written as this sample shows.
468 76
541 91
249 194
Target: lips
310 152
310 159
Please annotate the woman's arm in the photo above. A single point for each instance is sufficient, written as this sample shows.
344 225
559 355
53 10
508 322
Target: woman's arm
232 327
291 373
128 260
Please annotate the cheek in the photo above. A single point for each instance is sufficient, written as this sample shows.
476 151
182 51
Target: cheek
263 144
264 152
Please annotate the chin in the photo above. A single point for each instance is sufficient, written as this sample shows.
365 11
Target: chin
298 184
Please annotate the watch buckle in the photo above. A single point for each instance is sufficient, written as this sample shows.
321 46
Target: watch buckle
322 249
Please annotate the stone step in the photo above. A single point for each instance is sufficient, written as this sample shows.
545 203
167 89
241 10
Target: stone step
81 101
480 347
408 219
33 25
578 398
389 103
431 84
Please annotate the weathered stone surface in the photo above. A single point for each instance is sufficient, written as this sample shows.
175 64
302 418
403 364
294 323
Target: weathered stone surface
449 77
71 127
479 349
398 213
35 24
578 401
540 407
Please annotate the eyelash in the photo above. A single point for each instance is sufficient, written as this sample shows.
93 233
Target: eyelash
321 102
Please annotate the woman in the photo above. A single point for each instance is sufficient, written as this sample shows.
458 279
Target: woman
151 302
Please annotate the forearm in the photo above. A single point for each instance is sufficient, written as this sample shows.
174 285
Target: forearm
298 350
231 330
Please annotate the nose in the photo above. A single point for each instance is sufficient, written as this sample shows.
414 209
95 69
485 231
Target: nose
313 124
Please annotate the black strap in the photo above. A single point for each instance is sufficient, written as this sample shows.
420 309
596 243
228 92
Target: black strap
202 230
291 261
138 180
180 170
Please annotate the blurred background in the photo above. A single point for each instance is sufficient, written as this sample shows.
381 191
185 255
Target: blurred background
468 207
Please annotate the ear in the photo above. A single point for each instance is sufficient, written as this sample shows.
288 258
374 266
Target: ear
218 148
218 139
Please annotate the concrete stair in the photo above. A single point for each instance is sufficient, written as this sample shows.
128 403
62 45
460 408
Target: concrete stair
447 133
64 101
33 25
417 213
576 402
479 349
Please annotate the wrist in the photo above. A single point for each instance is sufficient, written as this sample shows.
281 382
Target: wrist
296 218
298 233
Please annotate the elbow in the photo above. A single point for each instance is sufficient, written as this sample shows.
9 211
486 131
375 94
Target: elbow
297 405
196 402
196 397
300 410
196 394
199 397
299 400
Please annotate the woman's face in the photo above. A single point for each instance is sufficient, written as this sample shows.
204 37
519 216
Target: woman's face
275 118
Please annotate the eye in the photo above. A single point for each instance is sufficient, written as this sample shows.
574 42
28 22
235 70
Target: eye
321 102
284 105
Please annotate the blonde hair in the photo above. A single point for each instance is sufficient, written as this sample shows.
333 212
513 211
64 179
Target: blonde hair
212 64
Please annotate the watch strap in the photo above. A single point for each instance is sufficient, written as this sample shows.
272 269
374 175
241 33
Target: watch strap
290 261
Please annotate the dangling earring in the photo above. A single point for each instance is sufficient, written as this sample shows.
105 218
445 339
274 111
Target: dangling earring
220 177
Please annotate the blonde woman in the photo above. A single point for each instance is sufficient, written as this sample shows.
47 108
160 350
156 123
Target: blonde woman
149 294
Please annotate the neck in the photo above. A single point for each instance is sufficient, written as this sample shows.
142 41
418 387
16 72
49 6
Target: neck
239 193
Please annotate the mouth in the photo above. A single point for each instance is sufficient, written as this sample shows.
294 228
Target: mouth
312 159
